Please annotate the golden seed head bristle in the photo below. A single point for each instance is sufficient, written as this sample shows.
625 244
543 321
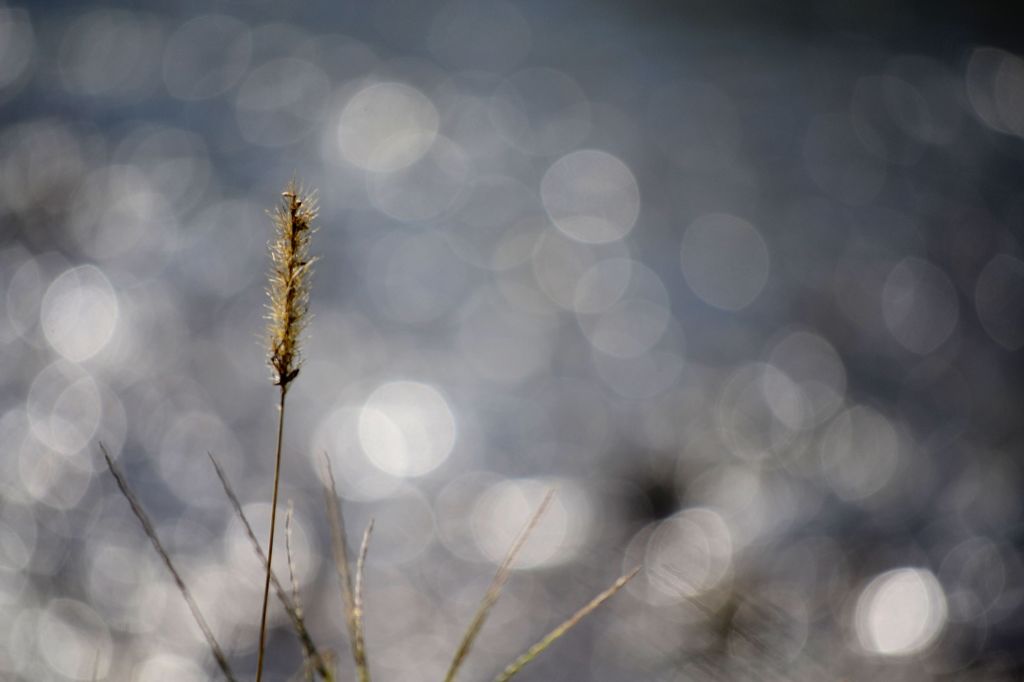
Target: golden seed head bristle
288 288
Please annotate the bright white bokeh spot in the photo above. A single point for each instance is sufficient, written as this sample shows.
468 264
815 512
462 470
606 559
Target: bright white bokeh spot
689 553
386 127
591 196
406 428
503 510
725 261
357 478
64 407
920 306
79 313
900 612
170 667
76 643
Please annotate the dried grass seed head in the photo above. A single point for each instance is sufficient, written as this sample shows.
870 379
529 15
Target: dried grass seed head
288 288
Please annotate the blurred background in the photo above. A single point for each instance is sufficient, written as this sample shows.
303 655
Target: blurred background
744 282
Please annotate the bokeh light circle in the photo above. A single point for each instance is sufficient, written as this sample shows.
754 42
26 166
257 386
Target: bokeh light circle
503 509
900 612
79 313
406 428
76 642
920 305
689 553
387 126
725 261
626 324
860 452
591 196
64 407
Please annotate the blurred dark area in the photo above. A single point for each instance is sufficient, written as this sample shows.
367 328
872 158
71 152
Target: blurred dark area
743 281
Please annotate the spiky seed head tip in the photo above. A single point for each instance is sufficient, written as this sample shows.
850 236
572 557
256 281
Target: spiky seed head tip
288 285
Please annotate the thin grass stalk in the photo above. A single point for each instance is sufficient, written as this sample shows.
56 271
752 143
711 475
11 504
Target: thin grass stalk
513 669
270 544
307 662
288 517
287 315
494 590
353 617
364 548
298 622
150 531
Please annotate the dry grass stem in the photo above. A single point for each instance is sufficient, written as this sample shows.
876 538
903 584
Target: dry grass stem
309 648
494 591
296 599
270 543
150 530
364 548
574 620
307 663
353 616
288 312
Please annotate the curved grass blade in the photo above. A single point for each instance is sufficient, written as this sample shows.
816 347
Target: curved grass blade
494 591
513 669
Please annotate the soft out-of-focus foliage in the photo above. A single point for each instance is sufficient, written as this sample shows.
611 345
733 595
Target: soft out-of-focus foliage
751 295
